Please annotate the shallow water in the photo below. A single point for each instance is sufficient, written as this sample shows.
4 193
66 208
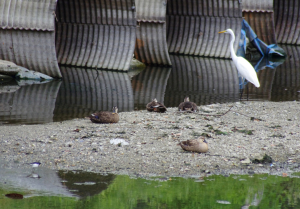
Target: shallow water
204 80
77 189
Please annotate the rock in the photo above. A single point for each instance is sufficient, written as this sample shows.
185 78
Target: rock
119 141
265 159
30 82
31 75
246 161
258 156
206 109
11 69
8 68
9 87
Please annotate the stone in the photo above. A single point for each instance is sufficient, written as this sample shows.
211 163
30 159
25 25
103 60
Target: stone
8 68
246 161
31 75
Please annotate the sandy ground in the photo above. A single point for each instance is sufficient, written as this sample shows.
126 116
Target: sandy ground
237 133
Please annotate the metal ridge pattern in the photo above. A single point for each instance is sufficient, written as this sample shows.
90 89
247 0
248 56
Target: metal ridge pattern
84 91
96 46
213 8
96 33
27 14
103 12
192 35
153 11
30 104
149 84
151 44
204 80
287 21
286 83
257 5
263 25
31 49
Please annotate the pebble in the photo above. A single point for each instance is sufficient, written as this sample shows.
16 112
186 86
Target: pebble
152 141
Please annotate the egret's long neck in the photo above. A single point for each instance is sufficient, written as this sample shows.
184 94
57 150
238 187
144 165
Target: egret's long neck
233 55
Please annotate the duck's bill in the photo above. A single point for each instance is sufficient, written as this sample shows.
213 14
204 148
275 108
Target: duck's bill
223 31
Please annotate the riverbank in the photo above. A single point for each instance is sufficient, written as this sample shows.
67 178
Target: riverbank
237 133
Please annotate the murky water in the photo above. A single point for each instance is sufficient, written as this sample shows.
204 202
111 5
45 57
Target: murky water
204 80
44 188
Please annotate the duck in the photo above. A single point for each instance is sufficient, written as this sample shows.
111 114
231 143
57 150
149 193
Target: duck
105 116
187 106
195 145
156 106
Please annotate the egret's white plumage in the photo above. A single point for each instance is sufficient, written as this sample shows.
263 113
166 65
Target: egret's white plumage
243 66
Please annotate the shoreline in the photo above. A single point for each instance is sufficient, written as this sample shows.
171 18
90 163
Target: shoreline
233 138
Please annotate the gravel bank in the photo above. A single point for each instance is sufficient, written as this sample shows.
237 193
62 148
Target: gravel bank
234 140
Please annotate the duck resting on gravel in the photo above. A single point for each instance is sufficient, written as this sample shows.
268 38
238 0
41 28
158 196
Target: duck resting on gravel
187 106
195 145
156 106
105 116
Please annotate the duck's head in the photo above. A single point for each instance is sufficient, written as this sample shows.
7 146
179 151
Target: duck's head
202 139
115 109
154 100
186 99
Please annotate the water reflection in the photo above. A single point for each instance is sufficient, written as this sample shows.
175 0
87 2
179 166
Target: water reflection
84 91
46 182
77 189
29 103
149 84
85 184
43 182
204 80
286 84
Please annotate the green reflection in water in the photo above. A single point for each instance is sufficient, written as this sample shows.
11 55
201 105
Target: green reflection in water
261 191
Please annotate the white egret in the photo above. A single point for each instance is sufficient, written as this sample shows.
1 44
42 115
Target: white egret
243 66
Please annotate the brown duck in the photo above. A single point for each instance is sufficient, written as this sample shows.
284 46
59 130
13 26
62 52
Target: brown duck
156 106
105 116
194 145
187 106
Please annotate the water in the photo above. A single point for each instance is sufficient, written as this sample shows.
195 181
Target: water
204 80
82 91
77 189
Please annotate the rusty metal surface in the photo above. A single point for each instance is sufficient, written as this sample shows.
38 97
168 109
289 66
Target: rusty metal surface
287 24
286 83
213 8
31 49
263 25
151 44
84 91
97 34
102 12
27 14
149 84
191 35
30 104
27 34
153 11
257 5
204 80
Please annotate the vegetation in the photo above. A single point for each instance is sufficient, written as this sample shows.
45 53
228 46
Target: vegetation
212 192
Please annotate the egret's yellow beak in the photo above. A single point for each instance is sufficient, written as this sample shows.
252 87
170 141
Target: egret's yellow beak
222 31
